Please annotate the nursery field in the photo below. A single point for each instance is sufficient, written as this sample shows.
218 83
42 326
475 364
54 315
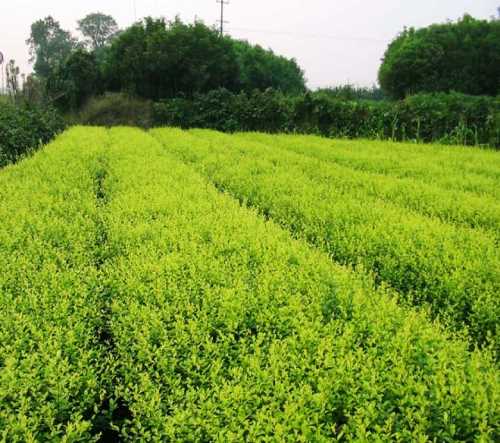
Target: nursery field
196 286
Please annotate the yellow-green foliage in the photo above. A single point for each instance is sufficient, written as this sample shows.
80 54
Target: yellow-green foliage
451 267
142 304
227 329
51 363
472 200
456 168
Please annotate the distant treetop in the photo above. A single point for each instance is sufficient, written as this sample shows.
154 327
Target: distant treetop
156 59
98 29
49 45
463 56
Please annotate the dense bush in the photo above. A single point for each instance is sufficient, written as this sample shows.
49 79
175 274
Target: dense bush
114 109
24 128
227 330
140 303
352 92
53 365
268 111
447 118
462 56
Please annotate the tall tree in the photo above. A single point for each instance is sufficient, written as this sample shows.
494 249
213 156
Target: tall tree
157 59
462 56
75 81
261 69
49 45
12 76
98 29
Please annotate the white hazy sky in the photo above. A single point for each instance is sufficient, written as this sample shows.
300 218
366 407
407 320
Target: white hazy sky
334 41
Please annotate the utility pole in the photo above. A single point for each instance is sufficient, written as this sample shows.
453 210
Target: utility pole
222 4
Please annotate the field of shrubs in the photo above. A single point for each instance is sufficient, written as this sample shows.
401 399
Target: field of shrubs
179 285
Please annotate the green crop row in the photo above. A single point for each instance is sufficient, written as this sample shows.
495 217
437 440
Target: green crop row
141 304
52 364
450 159
226 329
454 168
459 207
454 270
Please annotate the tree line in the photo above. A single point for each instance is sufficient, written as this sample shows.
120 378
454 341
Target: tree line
439 83
158 59
153 59
462 56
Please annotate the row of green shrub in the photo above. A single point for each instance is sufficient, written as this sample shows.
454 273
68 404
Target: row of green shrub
53 364
447 118
226 329
449 267
141 304
24 128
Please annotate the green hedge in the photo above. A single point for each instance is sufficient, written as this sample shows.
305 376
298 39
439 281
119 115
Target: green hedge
24 128
448 118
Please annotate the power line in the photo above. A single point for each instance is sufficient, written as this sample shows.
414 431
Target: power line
221 21
318 36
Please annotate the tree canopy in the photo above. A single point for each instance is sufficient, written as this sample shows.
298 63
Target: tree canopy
49 45
462 56
75 81
98 29
154 59
261 69
158 59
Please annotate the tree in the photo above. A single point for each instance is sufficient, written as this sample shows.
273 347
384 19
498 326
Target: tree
12 77
261 69
156 59
49 45
72 83
98 29
462 56
33 90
